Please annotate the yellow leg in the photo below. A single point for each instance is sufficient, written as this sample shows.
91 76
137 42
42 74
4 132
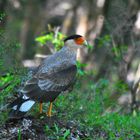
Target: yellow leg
50 110
40 108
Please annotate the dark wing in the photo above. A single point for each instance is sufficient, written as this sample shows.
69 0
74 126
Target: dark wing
59 80
52 83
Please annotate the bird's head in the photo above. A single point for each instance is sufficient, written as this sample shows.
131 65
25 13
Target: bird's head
75 41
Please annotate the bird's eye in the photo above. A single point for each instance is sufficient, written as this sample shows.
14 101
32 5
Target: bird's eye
79 40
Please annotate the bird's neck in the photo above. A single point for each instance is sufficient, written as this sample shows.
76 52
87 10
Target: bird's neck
70 53
72 50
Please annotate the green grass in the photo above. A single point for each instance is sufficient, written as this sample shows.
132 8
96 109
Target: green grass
19 134
87 107
8 84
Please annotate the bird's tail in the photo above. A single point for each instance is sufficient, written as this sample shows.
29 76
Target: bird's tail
20 107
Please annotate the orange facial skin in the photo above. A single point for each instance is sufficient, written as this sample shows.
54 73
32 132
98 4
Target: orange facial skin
79 41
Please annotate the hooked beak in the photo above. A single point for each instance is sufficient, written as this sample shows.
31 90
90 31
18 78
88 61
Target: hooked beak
85 43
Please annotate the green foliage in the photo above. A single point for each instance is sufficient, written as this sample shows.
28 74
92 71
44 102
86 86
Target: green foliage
104 41
8 54
19 134
11 80
120 86
2 15
8 85
116 51
119 51
56 40
9 77
56 132
90 48
10 70
118 126
80 67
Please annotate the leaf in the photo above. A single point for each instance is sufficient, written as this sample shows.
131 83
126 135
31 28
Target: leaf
134 113
66 133
56 128
19 134
43 39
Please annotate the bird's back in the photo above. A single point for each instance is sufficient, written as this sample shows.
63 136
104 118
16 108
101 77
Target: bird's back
55 75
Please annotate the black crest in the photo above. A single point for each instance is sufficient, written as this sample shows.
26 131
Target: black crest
72 37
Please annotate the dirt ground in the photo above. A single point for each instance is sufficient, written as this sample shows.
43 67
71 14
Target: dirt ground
31 128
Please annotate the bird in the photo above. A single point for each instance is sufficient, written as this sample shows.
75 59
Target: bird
56 74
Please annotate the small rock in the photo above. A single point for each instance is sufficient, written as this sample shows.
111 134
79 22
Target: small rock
26 124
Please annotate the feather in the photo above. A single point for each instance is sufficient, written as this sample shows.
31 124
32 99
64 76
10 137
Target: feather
20 107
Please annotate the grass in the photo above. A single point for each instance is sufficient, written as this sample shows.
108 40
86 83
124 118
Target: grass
19 134
84 115
8 84
86 106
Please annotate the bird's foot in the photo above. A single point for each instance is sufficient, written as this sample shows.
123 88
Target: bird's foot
49 113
